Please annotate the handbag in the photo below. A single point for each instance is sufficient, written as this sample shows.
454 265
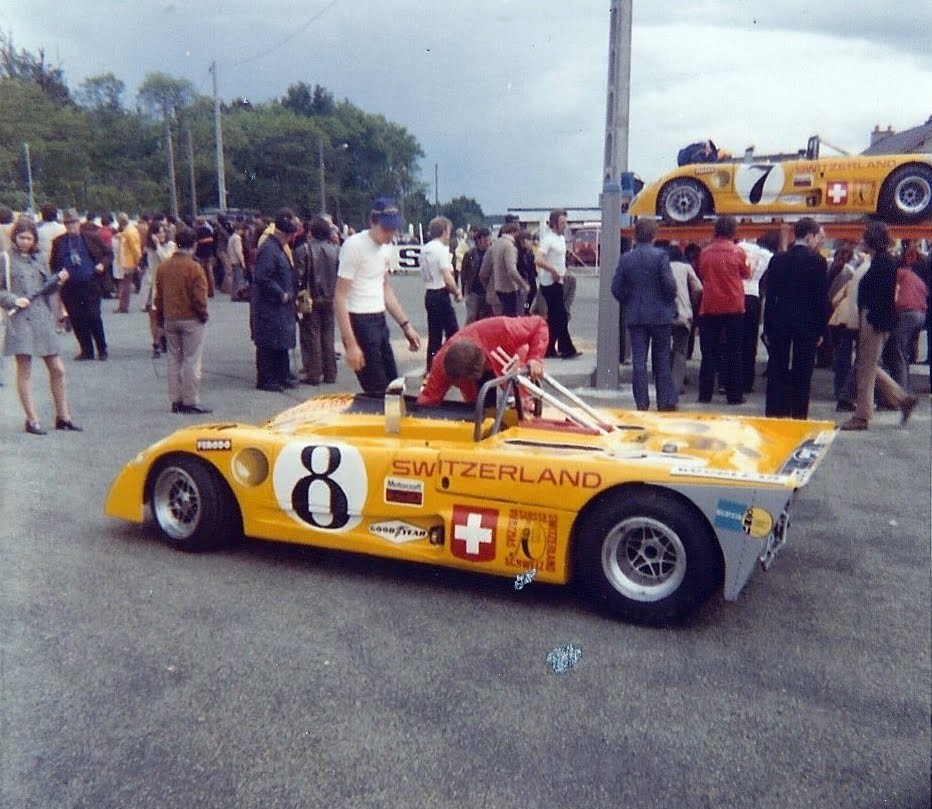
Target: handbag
303 302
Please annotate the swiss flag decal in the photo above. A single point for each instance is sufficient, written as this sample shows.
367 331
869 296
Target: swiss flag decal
474 533
837 193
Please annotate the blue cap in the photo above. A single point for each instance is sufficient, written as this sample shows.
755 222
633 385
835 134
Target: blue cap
385 213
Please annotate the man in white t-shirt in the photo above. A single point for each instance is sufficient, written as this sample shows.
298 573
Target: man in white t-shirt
363 296
437 272
551 269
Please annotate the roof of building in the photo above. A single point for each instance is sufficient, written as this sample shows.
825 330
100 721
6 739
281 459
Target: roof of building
909 140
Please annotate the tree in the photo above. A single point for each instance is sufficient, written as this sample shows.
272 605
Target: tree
32 69
463 212
302 100
166 96
101 93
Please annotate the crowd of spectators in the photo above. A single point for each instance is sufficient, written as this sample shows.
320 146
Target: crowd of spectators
303 286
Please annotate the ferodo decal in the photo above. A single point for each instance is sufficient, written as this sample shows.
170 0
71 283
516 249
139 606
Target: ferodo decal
398 532
531 540
213 444
758 183
474 533
321 485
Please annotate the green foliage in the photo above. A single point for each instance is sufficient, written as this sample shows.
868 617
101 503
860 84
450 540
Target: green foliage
103 93
31 69
463 212
97 154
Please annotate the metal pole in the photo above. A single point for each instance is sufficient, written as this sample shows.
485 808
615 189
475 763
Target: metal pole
32 199
616 162
170 156
320 169
218 131
191 174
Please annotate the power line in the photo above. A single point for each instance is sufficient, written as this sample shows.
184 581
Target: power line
288 38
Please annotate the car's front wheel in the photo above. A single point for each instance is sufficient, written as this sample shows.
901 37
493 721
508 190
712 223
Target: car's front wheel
906 195
192 505
683 201
645 555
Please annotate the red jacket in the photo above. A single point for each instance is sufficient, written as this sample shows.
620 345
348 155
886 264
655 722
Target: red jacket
722 266
911 291
525 336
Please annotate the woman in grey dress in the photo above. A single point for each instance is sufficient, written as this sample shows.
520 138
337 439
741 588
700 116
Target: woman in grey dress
30 331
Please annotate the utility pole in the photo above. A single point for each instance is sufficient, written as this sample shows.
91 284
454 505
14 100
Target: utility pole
170 157
615 167
191 174
32 199
320 172
218 134
436 190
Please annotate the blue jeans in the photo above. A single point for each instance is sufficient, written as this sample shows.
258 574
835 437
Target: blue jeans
658 339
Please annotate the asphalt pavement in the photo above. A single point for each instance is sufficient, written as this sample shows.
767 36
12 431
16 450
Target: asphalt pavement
266 676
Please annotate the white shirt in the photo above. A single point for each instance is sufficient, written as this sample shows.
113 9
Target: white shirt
365 263
48 232
435 258
553 251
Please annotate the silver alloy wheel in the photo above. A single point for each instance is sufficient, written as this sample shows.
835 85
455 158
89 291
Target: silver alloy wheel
176 502
912 194
683 203
643 559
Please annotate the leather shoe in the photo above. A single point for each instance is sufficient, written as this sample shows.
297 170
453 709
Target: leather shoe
571 355
177 407
195 409
102 356
844 407
906 408
289 385
271 387
82 357
34 428
737 402
668 409
66 424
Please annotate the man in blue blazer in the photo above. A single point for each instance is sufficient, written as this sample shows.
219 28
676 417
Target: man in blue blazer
646 289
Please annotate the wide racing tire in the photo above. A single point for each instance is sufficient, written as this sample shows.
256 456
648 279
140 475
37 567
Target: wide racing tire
192 505
683 201
646 555
906 195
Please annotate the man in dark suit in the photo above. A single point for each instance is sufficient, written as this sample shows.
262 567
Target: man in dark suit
645 287
795 314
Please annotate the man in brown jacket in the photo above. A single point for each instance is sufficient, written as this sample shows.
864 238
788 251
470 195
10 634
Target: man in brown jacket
181 305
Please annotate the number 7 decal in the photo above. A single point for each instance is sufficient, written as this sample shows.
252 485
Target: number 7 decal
758 183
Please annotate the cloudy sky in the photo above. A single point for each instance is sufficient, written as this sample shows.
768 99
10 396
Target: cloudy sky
507 97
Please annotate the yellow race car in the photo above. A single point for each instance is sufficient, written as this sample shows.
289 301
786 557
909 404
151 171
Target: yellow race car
896 188
649 513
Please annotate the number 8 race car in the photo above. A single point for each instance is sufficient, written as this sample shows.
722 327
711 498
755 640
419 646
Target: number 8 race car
894 187
649 514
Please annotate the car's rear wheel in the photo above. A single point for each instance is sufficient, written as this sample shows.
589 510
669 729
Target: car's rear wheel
683 201
906 195
193 507
646 555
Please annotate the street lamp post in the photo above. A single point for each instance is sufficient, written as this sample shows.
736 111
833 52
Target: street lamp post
320 170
